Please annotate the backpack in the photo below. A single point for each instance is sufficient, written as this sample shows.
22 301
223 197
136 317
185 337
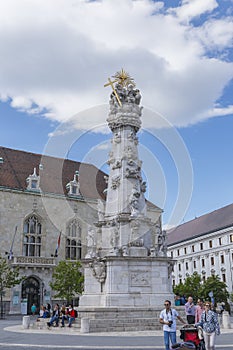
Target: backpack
75 313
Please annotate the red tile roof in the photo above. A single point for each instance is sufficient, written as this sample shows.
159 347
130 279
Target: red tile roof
211 222
56 173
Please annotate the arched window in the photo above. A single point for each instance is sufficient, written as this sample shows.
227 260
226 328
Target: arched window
73 241
32 237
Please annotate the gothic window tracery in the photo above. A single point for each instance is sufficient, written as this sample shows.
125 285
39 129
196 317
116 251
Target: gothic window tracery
73 241
32 231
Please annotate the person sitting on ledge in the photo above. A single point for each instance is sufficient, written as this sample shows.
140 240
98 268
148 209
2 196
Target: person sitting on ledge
45 313
55 316
70 316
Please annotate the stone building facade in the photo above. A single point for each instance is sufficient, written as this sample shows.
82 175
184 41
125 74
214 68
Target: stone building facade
204 245
46 205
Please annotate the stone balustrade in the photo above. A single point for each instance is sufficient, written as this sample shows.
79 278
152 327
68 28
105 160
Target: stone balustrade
33 261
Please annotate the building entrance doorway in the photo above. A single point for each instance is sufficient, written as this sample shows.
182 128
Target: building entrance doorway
31 292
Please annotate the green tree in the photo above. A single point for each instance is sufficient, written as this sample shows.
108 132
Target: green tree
231 297
219 289
191 286
9 277
67 280
179 289
194 286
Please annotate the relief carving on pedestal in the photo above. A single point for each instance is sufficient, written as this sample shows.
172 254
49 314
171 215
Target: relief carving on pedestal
98 267
140 279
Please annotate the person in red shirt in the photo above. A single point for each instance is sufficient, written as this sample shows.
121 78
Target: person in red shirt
69 315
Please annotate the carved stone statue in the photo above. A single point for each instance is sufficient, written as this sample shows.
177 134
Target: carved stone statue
115 182
117 138
91 243
162 243
134 202
143 186
114 241
117 164
130 94
133 173
125 250
100 210
137 97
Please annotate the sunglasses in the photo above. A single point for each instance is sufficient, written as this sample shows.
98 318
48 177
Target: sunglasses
166 304
207 305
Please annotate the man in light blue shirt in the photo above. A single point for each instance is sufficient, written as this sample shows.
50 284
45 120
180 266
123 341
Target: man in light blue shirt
190 310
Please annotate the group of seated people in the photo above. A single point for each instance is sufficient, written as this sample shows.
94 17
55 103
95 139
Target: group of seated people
66 313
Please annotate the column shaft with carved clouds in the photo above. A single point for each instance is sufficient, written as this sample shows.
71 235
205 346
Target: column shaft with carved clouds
125 192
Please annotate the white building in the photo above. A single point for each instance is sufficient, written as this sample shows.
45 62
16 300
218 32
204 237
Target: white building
204 245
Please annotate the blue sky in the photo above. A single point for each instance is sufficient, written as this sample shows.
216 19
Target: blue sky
55 60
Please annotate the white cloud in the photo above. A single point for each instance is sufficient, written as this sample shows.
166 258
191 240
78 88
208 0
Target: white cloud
55 58
218 111
21 102
217 34
190 9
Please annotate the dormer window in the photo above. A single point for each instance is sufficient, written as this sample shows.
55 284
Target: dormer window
73 187
33 181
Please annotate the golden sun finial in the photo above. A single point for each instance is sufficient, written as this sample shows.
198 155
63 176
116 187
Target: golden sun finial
123 78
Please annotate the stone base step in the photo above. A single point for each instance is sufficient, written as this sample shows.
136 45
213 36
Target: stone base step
42 324
94 320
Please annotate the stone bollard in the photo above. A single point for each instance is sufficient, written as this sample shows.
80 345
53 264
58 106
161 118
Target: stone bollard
84 325
226 320
26 322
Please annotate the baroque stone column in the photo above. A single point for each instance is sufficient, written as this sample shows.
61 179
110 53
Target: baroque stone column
126 265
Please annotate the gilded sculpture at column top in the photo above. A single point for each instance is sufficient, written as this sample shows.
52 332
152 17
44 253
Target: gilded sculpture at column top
123 89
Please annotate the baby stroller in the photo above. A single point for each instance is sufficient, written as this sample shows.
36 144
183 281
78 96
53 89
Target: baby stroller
193 335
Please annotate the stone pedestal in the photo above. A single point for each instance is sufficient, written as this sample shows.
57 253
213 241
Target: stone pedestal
130 282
